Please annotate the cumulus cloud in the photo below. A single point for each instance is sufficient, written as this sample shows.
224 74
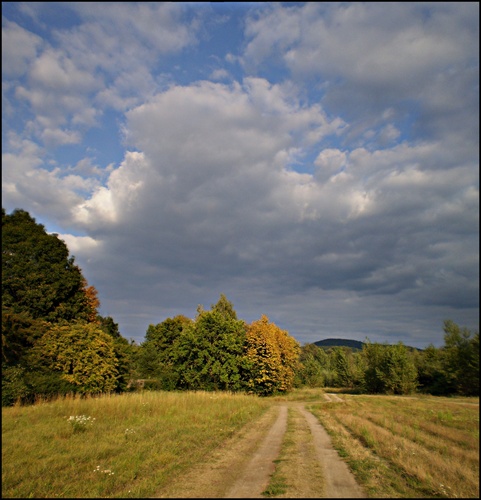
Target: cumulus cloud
213 189
333 185
19 48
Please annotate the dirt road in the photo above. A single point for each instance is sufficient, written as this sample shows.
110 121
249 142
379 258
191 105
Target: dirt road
310 466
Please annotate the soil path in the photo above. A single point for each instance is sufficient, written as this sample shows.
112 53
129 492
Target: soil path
243 467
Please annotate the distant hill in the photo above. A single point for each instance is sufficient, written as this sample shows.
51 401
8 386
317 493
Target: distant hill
353 344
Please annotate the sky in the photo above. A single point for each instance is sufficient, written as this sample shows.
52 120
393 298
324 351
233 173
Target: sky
314 162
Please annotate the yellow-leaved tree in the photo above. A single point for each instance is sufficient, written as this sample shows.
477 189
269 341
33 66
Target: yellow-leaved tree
273 357
81 354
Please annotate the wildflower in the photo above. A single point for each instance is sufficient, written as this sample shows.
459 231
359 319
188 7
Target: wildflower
80 422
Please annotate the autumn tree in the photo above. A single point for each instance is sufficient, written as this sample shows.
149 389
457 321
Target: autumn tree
273 357
81 354
92 301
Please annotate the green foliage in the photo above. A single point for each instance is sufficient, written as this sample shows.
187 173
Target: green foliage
461 359
82 353
432 377
390 369
19 332
311 371
225 308
108 325
38 276
14 387
209 353
156 357
163 335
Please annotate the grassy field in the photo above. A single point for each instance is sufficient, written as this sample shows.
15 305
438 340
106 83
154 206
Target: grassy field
131 445
135 444
416 447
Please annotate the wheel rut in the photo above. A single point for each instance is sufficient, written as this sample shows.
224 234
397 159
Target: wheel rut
245 464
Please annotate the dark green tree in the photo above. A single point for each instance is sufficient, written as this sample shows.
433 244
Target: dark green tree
432 376
163 335
38 276
461 358
313 364
389 369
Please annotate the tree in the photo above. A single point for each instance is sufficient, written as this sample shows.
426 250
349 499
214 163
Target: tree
156 356
390 369
19 333
163 335
92 301
432 376
313 362
461 358
81 354
224 307
209 353
273 357
38 276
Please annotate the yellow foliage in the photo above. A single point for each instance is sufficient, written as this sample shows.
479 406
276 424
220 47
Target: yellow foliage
274 356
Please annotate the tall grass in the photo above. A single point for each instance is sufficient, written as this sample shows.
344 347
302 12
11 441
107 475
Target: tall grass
135 444
407 447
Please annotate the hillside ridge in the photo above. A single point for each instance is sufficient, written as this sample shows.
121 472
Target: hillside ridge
353 344
332 342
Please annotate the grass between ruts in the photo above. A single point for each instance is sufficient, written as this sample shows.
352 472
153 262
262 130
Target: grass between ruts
297 474
136 443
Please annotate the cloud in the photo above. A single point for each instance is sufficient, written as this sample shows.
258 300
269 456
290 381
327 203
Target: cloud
411 57
213 198
333 186
19 49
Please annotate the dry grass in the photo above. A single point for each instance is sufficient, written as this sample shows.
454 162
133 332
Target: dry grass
407 447
396 446
135 445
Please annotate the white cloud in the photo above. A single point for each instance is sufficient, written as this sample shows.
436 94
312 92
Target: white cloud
84 245
55 71
410 57
219 74
19 49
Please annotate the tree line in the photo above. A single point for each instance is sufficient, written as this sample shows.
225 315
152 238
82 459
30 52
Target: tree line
55 342
397 369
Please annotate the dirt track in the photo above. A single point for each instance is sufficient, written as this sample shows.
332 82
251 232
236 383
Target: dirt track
242 468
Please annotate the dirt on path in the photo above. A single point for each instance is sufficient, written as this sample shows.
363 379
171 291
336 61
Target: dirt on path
310 466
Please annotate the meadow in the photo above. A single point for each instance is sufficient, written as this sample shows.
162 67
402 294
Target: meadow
407 447
131 445
136 443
